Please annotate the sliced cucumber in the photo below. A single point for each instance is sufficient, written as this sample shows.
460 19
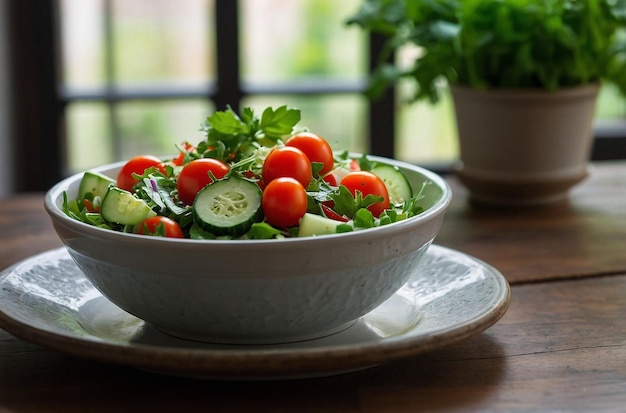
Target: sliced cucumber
228 207
311 224
122 207
94 183
398 186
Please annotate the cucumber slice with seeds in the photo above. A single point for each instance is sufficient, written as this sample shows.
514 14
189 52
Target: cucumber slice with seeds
398 186
228 207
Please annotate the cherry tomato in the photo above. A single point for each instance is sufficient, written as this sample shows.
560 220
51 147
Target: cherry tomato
315 148
180 159
136 165
160 226
287 161
354 165
195 175
255 178
368 184
330 179
284 202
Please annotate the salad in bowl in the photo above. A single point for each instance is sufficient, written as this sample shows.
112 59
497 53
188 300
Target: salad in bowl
251 178
257 234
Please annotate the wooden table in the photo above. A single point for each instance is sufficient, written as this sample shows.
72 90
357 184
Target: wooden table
560 347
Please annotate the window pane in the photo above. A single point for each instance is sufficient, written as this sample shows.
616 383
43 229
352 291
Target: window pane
163 41
82 45
88 136
611 105
339 119
426 132
286 40
157 127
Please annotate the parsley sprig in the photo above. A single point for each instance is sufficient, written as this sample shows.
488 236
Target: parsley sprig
232 137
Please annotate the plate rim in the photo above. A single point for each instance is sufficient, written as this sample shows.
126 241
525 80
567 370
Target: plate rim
259 363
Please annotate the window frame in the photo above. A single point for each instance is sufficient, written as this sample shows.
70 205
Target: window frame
40 100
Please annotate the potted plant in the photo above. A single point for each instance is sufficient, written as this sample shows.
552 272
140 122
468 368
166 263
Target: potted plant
524 77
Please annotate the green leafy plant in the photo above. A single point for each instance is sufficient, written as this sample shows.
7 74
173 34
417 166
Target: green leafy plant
496 44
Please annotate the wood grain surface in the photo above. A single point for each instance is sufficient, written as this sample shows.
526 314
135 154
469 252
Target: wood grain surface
581 236
25 228
561 347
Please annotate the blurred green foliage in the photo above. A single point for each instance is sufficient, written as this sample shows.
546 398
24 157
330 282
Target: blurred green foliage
484 44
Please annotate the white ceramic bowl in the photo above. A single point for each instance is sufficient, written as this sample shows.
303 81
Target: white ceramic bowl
252 291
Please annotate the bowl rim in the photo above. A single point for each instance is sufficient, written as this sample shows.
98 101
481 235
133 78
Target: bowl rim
438 208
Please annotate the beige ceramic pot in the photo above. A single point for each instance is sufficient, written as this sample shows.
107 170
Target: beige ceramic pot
523 147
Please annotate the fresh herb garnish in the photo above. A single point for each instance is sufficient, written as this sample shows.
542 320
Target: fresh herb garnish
230 137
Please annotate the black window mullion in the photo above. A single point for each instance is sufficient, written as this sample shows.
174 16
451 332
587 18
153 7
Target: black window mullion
228 90
609 142
37 110
382 111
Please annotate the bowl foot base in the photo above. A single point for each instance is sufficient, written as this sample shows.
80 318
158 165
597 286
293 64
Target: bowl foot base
259 339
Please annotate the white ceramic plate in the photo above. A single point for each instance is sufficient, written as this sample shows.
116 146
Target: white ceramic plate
46 300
